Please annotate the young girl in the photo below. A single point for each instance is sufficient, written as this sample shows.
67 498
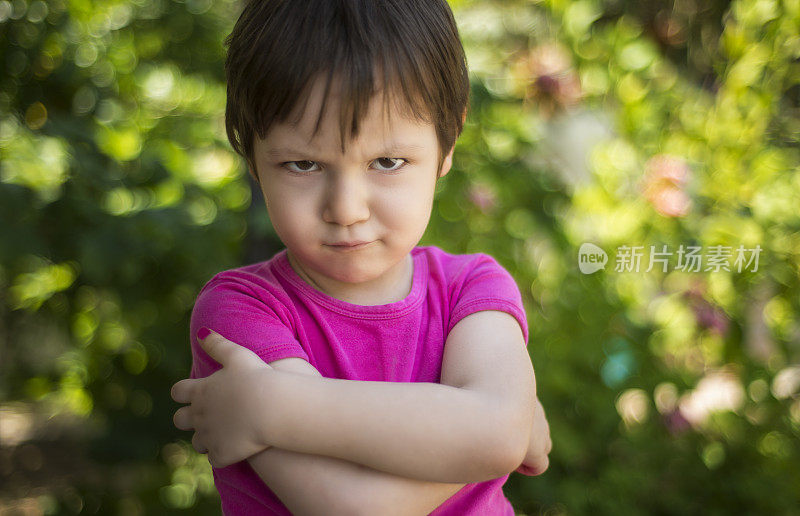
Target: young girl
355 372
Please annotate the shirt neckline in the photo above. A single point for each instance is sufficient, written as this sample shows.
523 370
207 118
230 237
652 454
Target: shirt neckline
386 311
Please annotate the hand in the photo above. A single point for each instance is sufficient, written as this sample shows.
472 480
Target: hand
225 409
536 461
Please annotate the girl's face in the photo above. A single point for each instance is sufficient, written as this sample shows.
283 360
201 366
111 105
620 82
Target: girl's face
378 191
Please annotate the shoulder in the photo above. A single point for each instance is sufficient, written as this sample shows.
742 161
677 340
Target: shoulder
252 276
456 269
454 264
255 279
474 282
256 285
249 306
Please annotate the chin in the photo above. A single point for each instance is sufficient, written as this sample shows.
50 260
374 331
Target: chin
351 275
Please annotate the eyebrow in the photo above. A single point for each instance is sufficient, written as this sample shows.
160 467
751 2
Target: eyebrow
387 150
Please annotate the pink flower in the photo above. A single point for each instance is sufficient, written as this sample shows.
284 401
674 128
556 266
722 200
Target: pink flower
712 318
668 168
706 314
664 182
551 79
483 197
671 202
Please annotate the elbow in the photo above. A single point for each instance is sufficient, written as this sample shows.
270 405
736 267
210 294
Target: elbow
502 463
507 460
511 444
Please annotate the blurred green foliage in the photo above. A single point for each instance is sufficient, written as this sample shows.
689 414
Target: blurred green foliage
606 121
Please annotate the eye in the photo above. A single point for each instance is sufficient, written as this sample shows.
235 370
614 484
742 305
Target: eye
301 167
389 164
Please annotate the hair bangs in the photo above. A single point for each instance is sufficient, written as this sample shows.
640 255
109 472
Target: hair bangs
406 51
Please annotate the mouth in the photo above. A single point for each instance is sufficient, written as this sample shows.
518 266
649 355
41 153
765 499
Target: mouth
346 246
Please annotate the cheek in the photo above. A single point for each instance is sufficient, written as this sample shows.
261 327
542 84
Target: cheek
289 211
405 205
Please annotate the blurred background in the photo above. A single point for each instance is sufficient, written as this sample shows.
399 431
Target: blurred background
649 125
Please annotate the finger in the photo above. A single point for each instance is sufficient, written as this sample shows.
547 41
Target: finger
183 390
197 444
538 466
217 347
183 418
226 352
542 465
525 470
529 471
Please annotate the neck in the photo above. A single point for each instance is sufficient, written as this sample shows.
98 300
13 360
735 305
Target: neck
393 286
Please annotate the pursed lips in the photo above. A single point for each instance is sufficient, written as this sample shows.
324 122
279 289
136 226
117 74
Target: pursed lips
350 242
354 244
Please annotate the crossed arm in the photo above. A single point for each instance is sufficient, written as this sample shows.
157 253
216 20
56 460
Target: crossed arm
404 446
341 486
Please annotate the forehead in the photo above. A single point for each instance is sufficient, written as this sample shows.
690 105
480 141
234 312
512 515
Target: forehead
323 118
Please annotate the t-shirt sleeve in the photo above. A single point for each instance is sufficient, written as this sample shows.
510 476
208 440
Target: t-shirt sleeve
245 314
483 284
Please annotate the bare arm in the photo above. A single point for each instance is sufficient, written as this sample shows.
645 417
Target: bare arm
536 460
313 484
484 356
339 486
472 427
416 430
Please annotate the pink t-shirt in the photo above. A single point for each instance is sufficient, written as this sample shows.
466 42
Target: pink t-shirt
268 308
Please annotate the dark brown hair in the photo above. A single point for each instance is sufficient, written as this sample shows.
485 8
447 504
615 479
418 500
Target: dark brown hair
278 47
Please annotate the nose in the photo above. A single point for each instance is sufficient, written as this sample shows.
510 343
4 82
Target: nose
346 200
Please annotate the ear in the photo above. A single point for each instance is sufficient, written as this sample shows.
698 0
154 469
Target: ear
254 174
447 162
251 169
